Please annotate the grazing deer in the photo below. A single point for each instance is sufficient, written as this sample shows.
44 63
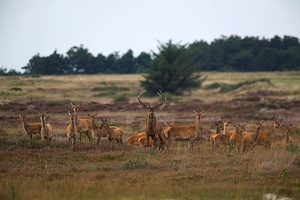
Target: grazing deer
153 127
265 138
71 130
188 132
287 138
112 133
81 124
30 128
47 130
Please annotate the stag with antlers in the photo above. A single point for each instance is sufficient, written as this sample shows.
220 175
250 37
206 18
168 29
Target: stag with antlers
153 128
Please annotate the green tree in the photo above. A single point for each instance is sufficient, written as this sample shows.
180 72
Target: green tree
171 71
127 63
81 60
143 61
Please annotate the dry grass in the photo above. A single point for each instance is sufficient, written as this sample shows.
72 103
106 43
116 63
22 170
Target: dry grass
92 172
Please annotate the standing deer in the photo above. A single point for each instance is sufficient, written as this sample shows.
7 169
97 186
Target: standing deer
112 133
47 130
287 138
153 128
81 124
30 128
71 130
188 132
250 138
99 132
237 139
265 138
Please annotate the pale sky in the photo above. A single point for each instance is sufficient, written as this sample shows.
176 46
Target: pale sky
29 27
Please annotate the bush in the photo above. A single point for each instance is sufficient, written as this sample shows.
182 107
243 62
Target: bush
136 163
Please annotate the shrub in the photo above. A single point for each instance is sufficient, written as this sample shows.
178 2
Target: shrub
136 163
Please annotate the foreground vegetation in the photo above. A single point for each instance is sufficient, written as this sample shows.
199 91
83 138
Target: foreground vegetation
92 172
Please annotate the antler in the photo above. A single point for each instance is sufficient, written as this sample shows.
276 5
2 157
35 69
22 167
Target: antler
159 104
139 99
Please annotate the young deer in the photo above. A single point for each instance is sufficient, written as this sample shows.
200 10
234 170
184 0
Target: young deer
188 132
265 138
71 130
153 127
287 138
30 128
112 133
47 130
81 124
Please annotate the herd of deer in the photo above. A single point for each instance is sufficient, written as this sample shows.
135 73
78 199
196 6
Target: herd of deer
153 131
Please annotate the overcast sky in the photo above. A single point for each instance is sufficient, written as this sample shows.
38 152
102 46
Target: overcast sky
29 27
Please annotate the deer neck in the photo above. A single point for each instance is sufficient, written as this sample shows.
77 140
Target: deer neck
225 130
43 123
24 124
151 122
76 119
108 129
72 126
197 123
94 127
256 133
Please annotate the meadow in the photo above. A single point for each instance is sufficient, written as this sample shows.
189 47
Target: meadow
132 172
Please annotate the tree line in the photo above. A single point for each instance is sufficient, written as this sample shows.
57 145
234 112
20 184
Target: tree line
224 54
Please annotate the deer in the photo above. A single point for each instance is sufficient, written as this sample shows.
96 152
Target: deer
187 132
134 139
72 130
30 128
81 124
47 130
224 123
152 127
96 130
112 133
250 138
237 139
265 138
287 138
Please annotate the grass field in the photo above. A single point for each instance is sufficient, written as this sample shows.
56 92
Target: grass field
92 172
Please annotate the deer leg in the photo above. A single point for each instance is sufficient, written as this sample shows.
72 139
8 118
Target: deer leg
98 141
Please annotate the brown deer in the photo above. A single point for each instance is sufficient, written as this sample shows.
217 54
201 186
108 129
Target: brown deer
237 139
287 138
152 127
112 133
71 130
187 132
224 138
250 138
221 139
30 128
81 124
265 138
134 139
47 130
